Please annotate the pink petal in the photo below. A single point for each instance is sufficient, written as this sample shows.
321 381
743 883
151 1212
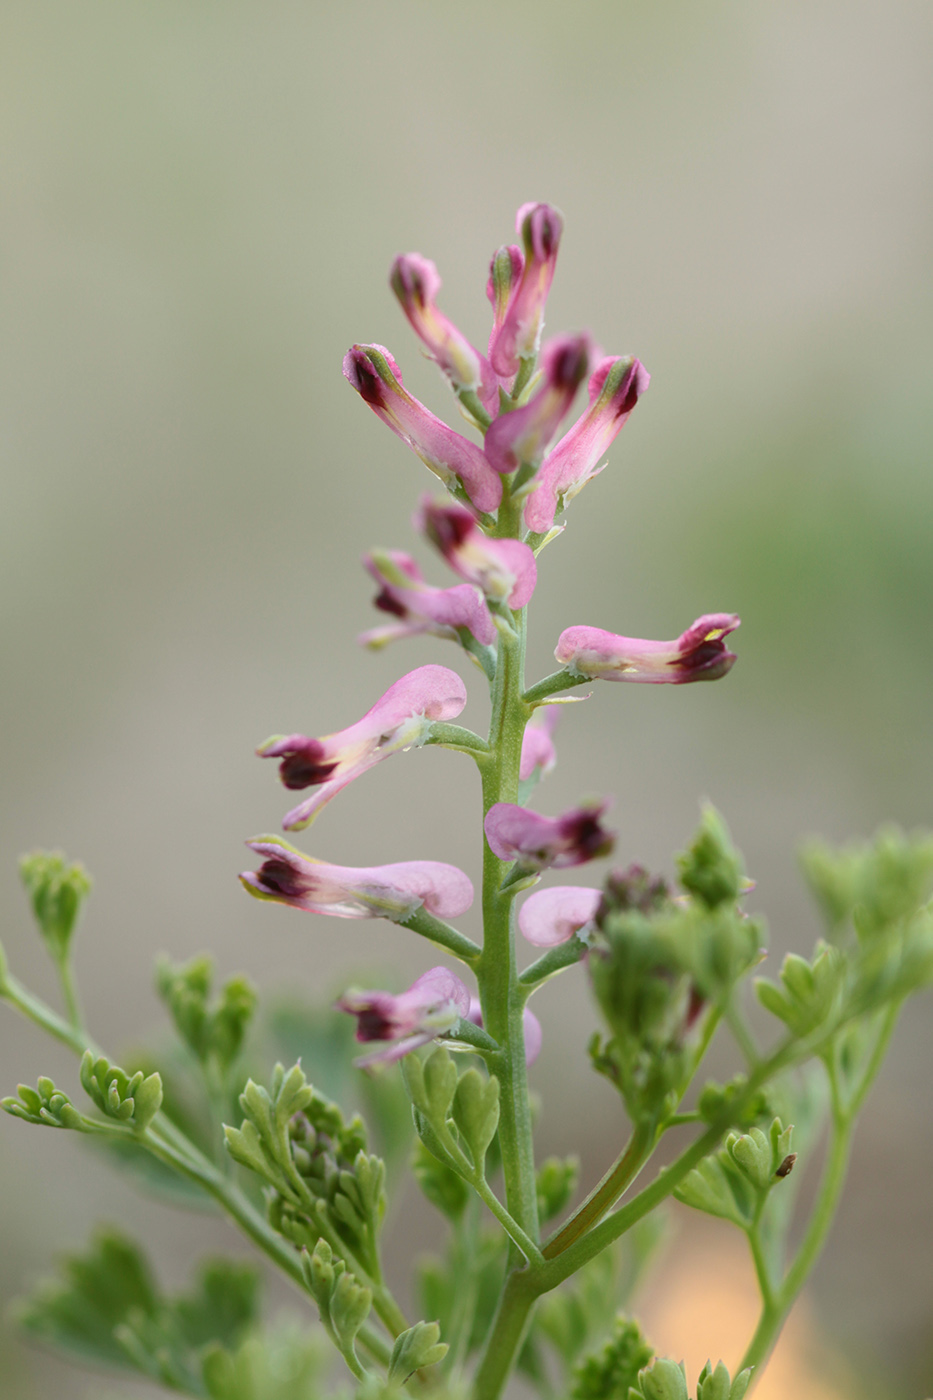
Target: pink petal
699 654
505 570
537 743
439 610
552 916
400 719
538 842
392 891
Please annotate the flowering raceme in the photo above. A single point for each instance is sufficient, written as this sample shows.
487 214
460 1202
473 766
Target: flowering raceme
665 964
400 719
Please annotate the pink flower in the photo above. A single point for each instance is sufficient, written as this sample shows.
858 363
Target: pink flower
373 373
432 1006
391 892
554 915
538 842
530 1024
537 743
400 719
522 435
519 333
505 271
504 569
416 283
699 654
421 608
614 388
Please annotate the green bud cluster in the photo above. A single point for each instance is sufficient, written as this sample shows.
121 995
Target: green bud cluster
734 1182
134 1100
212 1028
659 964
456 1115
667 1380
322 1177
612 1372
44 1105
343 1301
556 1181
57 892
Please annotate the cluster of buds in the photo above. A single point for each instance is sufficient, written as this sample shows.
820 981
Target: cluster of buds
505 494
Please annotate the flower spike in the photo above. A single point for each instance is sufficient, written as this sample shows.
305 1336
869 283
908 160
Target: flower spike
530 1024
416 283
504 569
522 436
614 389
519 334
372 372
400 719
420 608
538 843
394 892
699 654
552 916
432 1006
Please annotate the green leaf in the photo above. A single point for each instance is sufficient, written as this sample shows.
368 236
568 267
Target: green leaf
107 1309
287 1364
476 1113
611 1372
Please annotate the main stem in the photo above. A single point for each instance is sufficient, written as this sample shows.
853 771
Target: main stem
501 996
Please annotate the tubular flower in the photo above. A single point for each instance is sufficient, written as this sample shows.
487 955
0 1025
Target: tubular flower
400 719
391 892
614 389
699 654
372 372
415 281
530 1024
554 915
519 334
505 271
538 744
419 607
523 435
504 569
432 1006
538 842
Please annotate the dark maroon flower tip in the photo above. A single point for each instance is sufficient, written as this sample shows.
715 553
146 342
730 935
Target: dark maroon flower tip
302 764
281 877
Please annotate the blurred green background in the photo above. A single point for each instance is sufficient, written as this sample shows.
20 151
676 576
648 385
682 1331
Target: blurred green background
201 205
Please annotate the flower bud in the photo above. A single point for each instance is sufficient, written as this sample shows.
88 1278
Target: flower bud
521 437
505 570
416 283
699 654
538 842
372 372
519 334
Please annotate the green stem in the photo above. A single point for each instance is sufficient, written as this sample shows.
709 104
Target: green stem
557 681
497 974
604 1195
69 987
514 1231
36 1010
778 1304
552 962
454 736
508 1331
445 936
